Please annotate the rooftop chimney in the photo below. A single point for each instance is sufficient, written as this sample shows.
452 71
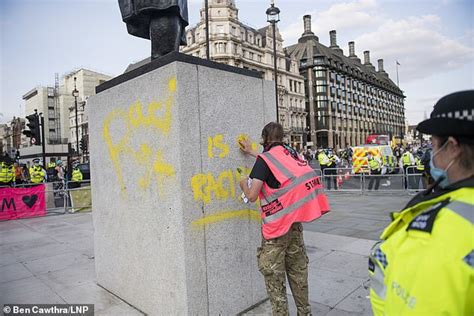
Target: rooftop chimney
333 42
352 54
380 62
352 49
332 36
366 57
307 29
307 24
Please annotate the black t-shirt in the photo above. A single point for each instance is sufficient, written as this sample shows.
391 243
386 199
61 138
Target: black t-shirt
262 172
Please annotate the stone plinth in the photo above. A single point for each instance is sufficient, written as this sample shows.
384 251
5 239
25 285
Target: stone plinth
172 236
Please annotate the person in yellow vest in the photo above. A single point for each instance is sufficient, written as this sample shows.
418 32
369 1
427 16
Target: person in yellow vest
290 193
7 173
375 167
37 173
51 164
408 161
76 176
424 262
420 169
326 164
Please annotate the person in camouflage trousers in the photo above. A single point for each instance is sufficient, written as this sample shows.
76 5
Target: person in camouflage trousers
283 253
278 257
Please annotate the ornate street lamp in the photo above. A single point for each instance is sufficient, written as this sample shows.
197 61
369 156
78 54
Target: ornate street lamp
75 94
273 17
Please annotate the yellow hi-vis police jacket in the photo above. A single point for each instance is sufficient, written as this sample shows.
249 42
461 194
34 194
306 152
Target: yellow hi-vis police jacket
424 264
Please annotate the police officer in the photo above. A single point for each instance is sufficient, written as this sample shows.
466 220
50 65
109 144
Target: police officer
375 167
76 176
424 263
332 172
290 193
37 172
408 161
420 170
326 161
7 172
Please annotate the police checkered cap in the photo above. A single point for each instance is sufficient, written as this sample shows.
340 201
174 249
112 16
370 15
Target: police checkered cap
453 115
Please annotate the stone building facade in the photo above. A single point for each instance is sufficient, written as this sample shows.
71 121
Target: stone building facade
236 44
346 99
86 81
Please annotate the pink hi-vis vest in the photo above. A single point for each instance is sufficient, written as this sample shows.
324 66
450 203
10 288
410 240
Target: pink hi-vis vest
300 197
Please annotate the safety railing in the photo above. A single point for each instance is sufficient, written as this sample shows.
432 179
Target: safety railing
341 179
79 195
344 179
415 179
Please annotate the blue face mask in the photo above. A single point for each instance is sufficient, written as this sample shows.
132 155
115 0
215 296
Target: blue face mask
439 174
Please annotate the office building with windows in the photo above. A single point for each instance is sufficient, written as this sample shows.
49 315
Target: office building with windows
57 106
346 100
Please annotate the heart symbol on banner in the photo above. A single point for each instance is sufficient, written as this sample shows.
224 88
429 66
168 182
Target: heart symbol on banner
30 200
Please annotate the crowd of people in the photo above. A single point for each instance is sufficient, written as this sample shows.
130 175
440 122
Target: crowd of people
411 160
14 174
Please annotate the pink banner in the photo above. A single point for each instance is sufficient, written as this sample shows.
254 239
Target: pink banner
22 202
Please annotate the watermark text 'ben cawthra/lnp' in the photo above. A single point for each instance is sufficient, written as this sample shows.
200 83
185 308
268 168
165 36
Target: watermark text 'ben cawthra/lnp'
49 309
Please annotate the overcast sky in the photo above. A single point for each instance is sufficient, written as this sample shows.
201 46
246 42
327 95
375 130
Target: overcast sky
433 40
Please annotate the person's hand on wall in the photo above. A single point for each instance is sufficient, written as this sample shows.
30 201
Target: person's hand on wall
245 145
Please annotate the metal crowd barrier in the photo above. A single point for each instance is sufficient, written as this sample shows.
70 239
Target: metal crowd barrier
416 180
344 179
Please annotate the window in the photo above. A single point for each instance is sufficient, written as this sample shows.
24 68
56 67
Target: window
319 60
320 73
321 89
323 105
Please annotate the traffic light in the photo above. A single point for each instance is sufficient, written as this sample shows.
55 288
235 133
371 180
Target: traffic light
35 132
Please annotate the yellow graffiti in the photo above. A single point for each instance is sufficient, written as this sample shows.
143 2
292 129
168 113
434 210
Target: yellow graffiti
226 215
217 142
223 187
245 137
157 116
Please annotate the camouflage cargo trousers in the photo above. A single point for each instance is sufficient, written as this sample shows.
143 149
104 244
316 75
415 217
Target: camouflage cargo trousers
281 257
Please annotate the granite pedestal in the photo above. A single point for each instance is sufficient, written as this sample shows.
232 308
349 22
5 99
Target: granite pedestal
172 236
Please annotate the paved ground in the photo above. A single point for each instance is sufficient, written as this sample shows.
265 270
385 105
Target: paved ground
51 259
360 216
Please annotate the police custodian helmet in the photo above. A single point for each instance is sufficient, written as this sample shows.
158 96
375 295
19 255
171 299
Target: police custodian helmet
453 115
